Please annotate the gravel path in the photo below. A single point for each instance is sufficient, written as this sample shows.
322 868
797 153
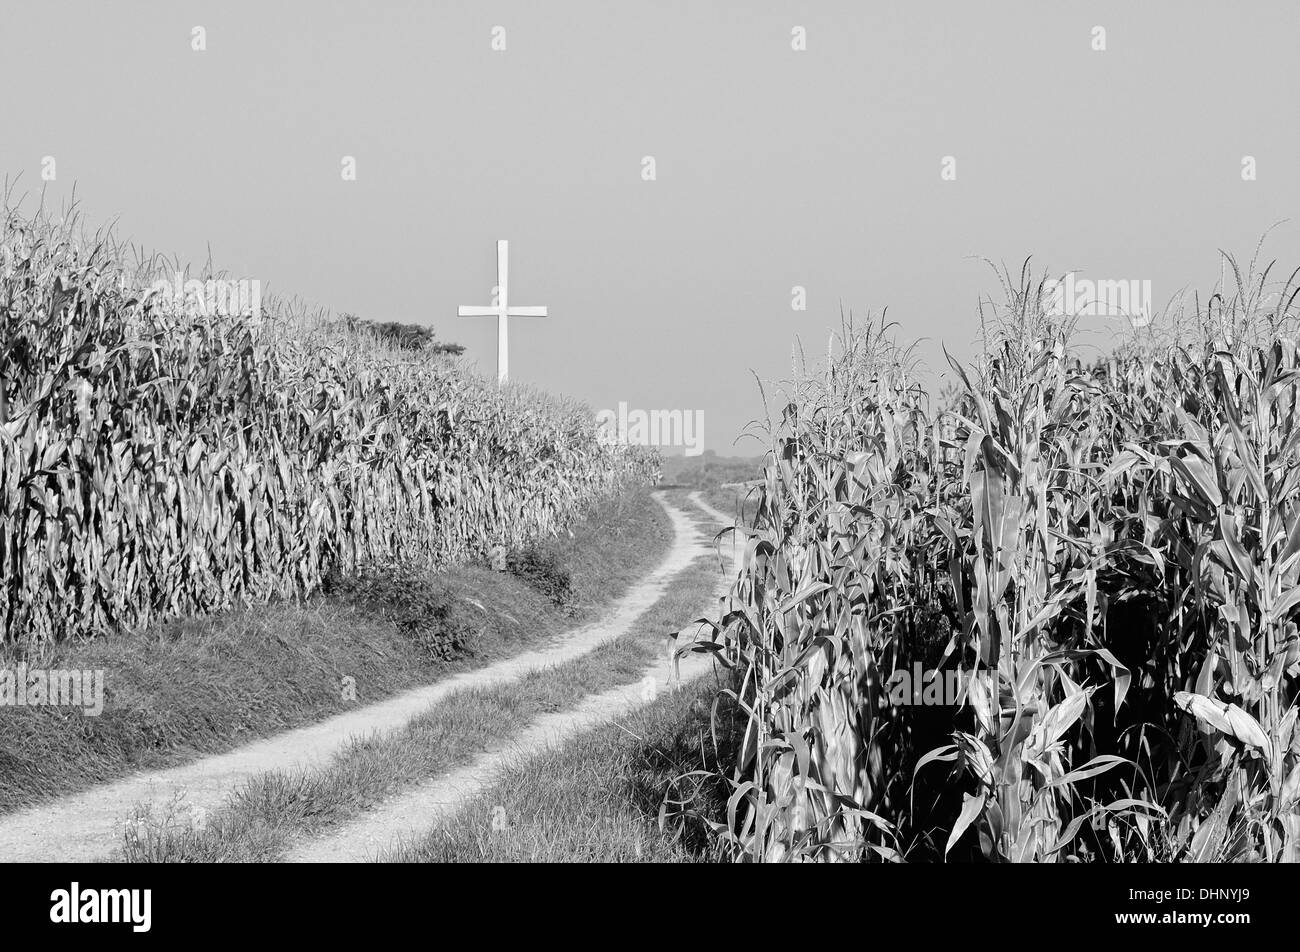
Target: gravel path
428 805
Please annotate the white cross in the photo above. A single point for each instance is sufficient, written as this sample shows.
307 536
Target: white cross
501 310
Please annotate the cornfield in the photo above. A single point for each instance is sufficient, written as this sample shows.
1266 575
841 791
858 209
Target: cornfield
158 461
1104 558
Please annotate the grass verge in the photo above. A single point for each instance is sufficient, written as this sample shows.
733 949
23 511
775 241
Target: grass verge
599 797
194 687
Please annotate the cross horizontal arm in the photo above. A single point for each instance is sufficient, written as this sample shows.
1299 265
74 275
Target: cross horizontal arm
472 311
532 311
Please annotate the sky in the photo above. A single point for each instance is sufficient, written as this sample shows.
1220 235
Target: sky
775 168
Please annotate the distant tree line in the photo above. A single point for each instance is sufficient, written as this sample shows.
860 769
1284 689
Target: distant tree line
415 337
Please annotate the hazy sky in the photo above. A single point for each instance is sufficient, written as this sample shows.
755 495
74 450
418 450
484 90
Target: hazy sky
775 168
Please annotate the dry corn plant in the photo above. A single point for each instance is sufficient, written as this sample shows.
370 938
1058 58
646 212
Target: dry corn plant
161 461
1104 559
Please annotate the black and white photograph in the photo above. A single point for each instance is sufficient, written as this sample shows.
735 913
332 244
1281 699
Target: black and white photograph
513 434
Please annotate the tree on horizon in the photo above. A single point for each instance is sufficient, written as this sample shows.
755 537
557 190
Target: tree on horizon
414 337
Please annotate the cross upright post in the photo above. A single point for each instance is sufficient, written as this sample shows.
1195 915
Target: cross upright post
502 311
